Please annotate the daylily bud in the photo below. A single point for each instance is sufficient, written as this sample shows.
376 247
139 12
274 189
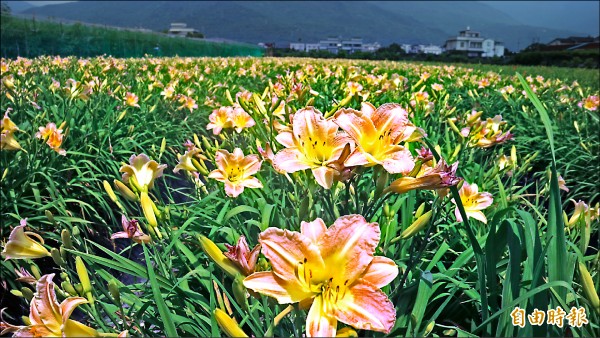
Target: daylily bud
65 235
346 332
241 255
420 210
163 145
136 185
125 191
201 169
113 288
228 325
84 278
76 232
414 228
57 258
110 191
148 209
78 288
68 287
206 144
416 169
197 141
26 320
16 293
217 256
292 197
429 328
453 126
49 216
35 271
27 293
386 210
588 287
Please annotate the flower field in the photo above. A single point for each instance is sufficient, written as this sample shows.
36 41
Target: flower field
289 197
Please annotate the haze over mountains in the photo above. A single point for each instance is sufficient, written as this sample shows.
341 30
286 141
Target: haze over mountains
310 21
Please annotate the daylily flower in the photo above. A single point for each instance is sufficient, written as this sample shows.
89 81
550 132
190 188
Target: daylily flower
48 318
8 127
131 100
219 119
21 246
439 177
590 103
584 212
132 231
240 119
314 143
378 133
241 255
236 170
334 269
185 160
142 170
52 136
473 201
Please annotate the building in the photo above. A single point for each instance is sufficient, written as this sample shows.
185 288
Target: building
467 41
330 44
178 28
371 47
352 45
298 46
312 46
492 48
431 49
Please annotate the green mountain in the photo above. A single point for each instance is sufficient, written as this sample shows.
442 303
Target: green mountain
310 21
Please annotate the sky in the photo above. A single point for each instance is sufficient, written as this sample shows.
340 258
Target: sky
578 16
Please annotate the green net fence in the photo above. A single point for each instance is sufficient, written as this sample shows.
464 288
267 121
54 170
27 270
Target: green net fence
32 38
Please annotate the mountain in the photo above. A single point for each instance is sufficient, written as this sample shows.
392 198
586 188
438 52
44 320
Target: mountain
18 6
310 21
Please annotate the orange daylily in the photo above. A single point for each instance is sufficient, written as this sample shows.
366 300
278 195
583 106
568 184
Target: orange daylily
240 119
52 136
185 160
334 269
473 201
219 119
378 133
314 143
236 170
131 100
48 318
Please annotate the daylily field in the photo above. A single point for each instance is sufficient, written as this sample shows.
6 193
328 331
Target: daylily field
290 197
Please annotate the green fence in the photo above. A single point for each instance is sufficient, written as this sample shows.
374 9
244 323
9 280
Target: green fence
32 38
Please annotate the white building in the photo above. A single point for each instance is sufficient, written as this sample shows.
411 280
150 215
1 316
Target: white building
371 47
352 45
432 49
473 44
181 29
312 46
492 48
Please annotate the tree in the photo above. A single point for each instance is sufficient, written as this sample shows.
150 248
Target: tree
5 8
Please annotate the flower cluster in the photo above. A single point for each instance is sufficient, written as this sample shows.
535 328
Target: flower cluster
229 117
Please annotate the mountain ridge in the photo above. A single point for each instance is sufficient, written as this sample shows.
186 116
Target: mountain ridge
412 22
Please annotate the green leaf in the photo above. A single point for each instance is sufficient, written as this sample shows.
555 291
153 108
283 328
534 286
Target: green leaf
165 314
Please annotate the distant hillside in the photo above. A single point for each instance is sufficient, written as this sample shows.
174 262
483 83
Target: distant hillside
289 21
32 38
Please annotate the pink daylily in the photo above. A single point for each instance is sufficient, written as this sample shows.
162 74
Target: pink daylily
473 201
334 269
236 170
314 143
132 231
378 134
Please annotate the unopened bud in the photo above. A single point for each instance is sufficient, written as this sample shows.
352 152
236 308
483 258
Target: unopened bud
27 293
26 320
65 235
147 208
49 216
420 210
589 290
228 325
197 141
125 191
57 258
76 231
217 256
35 271
79 288
68 287
386 210
239 292
84 278
163 146
414 228
16 293
109 191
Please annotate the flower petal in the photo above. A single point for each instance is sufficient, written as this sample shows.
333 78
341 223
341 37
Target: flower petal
366 307
356 158
319 323
289 160
399 162
286 249
252 182
381 271
355 123
68 306
349 245
324 176
390 117
77 329
313 230
285 291
233 190
286 138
